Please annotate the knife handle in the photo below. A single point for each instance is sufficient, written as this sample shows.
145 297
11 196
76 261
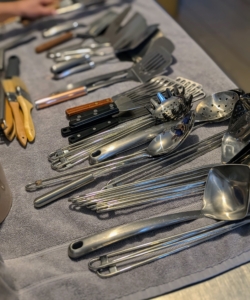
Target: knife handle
54 42
29 127
94 115
13 68
111 122
20 131
8 119
82 108
61 97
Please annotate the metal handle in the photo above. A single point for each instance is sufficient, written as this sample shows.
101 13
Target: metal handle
62 66
77 69
62 97
110 236
64 190
126 143
59 29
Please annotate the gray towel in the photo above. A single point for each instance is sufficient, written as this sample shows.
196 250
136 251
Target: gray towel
34 242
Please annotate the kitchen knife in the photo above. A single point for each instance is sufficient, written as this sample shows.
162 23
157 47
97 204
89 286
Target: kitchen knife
55 30
22 95
10 93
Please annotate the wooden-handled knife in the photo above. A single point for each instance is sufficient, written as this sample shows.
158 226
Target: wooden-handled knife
10 93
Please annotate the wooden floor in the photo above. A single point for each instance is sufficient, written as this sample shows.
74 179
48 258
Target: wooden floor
222 29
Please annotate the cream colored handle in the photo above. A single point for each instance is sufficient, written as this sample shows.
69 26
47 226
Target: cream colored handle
29 127
20 131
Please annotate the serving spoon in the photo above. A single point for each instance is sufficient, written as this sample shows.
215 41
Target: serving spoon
226 197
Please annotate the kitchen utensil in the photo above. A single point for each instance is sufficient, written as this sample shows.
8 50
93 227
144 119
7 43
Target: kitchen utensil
158 167
228 201
154 63
95 28
101 41
81 132
237 135
21 39
81 66
105 268
139 95
22 95
200 148
53 195
10 93
5 196
55 30
78 4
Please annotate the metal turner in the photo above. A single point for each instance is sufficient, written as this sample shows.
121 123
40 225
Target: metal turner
154 63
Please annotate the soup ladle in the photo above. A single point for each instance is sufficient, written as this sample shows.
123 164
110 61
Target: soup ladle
226 197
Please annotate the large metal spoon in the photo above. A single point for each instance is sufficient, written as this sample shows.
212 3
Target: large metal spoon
160 144
226 197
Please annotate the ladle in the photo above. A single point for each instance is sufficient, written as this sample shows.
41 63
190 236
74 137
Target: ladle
226 197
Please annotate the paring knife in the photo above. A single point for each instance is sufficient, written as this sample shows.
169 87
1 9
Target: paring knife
22 95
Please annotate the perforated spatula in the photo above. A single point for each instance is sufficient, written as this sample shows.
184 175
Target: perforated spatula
153 63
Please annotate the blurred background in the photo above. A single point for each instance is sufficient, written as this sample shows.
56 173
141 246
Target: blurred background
221 28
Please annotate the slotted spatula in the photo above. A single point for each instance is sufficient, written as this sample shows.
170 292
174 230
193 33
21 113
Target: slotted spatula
154 63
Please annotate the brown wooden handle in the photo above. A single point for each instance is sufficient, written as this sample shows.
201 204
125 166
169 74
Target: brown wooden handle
20 131
54 42
81 108
62 97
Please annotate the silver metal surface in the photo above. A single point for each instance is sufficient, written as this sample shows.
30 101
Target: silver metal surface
61 28
129 142
226 197
236 138
106 268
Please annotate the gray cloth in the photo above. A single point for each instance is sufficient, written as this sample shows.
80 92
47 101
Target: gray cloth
34 242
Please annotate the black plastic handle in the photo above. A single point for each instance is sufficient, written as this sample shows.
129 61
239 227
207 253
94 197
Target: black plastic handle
111 122
94 115
13 67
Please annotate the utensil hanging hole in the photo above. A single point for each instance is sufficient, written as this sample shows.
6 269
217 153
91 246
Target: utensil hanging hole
77 245
95 154
219 98
226 98
218 105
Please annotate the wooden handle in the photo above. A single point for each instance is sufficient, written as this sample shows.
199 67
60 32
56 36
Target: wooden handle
62 97
81 108
29 127
20 131
54 42
8 118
